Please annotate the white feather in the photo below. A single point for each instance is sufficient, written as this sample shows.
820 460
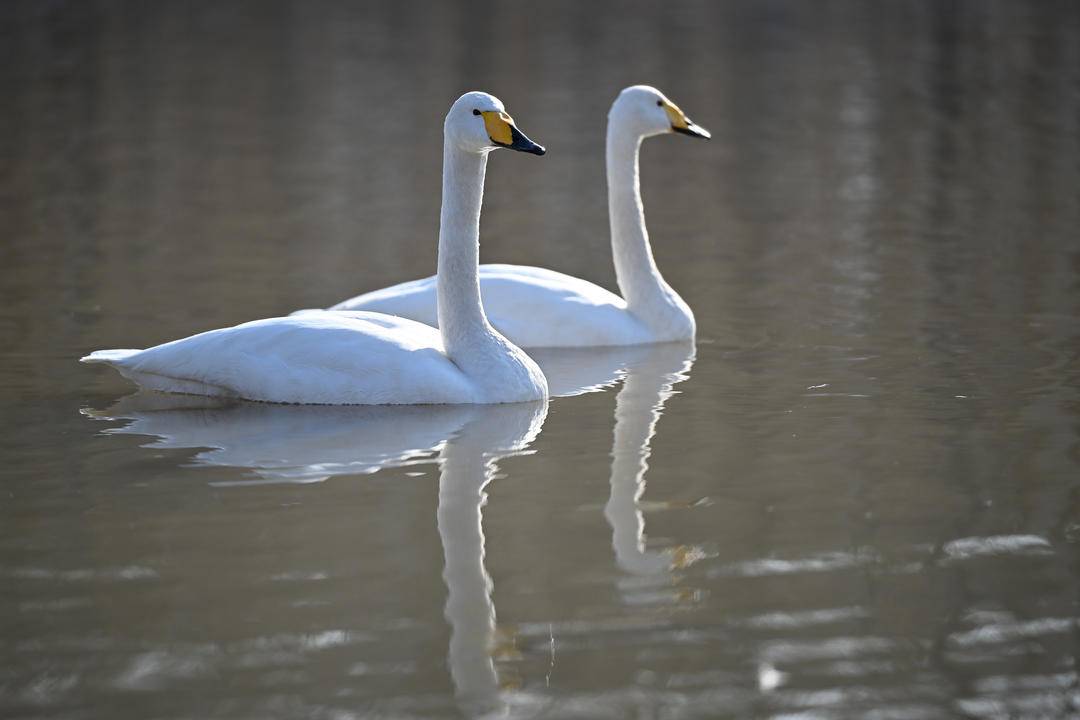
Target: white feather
367 358
534 307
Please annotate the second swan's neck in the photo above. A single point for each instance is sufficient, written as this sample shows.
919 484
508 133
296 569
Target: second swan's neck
636 271
461 314
646 293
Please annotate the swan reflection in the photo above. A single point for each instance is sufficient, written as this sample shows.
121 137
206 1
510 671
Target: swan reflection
649 374
575 371
649 382
288 443
281 443
467 464
310 443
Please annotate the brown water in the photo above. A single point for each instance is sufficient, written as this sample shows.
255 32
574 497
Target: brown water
861 496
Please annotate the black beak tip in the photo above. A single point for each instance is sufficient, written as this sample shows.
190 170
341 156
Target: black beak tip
694 131
520 142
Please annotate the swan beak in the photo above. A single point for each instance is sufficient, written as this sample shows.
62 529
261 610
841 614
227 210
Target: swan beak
682 124
504 133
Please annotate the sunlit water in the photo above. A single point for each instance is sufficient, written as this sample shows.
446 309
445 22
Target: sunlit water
855 497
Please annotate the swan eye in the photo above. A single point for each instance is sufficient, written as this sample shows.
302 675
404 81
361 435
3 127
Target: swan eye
659 103
475 112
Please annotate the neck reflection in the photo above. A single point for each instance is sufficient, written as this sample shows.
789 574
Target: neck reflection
648 384
284 443
467 464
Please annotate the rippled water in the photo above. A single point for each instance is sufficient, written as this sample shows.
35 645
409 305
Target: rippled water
856 497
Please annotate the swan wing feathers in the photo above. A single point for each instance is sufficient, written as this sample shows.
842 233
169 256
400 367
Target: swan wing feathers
415 300
312 358
536 307
531 306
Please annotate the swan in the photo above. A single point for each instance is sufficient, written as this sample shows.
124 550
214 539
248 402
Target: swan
535 307
368 358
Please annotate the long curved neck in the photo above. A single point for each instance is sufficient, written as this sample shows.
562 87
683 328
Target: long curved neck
461 314
639 279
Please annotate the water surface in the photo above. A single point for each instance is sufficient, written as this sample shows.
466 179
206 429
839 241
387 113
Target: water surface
855 497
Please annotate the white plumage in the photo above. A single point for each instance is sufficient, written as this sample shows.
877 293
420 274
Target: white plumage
329 358
365 357
535 307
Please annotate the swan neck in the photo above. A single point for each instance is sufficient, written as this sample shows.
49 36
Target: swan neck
635 269
461 313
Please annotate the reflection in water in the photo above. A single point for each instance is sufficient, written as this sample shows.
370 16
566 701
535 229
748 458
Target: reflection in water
880 247
467 465
287 443
301 444
638 406
575 371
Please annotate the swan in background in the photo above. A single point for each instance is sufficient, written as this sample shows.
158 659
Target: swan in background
649 382
368 358
535 307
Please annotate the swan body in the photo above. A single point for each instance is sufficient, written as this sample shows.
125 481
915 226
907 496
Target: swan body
327 359
534 307
540 308
368 358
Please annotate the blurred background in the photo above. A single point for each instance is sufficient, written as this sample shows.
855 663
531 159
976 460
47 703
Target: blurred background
867 482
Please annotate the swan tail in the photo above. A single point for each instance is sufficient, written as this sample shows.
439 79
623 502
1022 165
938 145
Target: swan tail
122 361
109 357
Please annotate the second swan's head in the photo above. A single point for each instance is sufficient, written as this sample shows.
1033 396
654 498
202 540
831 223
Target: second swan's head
647 111
478 122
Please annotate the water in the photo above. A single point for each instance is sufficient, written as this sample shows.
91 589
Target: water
856 497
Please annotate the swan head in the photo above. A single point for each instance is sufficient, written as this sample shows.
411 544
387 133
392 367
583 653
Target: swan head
478 123
649 112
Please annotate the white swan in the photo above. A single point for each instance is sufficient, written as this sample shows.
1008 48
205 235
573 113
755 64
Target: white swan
367 358
534 307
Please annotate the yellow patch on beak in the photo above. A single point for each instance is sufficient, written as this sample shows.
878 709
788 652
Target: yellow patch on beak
498 126
676 116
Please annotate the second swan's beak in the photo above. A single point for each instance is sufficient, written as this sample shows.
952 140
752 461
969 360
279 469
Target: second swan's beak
504 133
682 124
